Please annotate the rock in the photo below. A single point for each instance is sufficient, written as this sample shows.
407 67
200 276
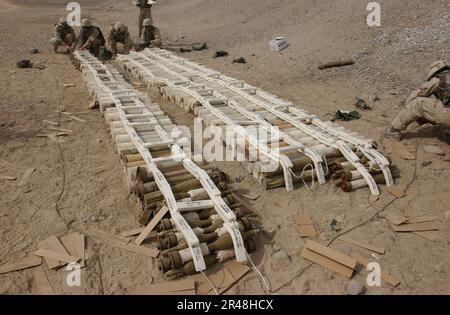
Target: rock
34 51
355 287
220 53
438 268
426 163
269 233
447 216
446 158
434 150
24 64
280 260
239 60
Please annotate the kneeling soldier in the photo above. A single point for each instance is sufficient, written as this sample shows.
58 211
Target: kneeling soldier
151 37
90 37
118 34
64 35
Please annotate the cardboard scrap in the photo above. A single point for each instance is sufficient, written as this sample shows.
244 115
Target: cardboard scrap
26 177
370 247
133 232
25 263
396 219
161 213
384 275
54 244
41 281
75 245
56 255
305 226
397 191
136 249
403 151
51 263
329 258
182 287
415 227
222 279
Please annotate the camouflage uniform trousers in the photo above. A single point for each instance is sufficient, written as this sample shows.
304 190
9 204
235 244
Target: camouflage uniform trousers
432 110
69 40
124 48
144 13
94 47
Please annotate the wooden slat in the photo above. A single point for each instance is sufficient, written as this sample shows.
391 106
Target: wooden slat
327 263
415 227
137 249
331 254
370 247
25 263
56 255
161 213
133 232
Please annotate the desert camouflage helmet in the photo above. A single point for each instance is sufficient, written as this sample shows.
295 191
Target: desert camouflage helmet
119 26
86 23
62 20
147 22
437 67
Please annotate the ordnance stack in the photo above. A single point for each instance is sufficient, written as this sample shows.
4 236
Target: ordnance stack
299 147
204 223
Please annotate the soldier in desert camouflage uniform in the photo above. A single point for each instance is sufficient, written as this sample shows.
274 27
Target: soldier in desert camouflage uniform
429 104
64 35
90 37
151 36
118 34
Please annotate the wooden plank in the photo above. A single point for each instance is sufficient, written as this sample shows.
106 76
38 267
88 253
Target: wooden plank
59 129
331 254
415 227
26 177
54 244
384 275
370 247
396 219
397 191
133 232
327 263
161 213
74 243
136 249
41 281
51 263
422 219
305 226
56 255
24 263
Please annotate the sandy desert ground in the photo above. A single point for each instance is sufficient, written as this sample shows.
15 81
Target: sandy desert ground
78 185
